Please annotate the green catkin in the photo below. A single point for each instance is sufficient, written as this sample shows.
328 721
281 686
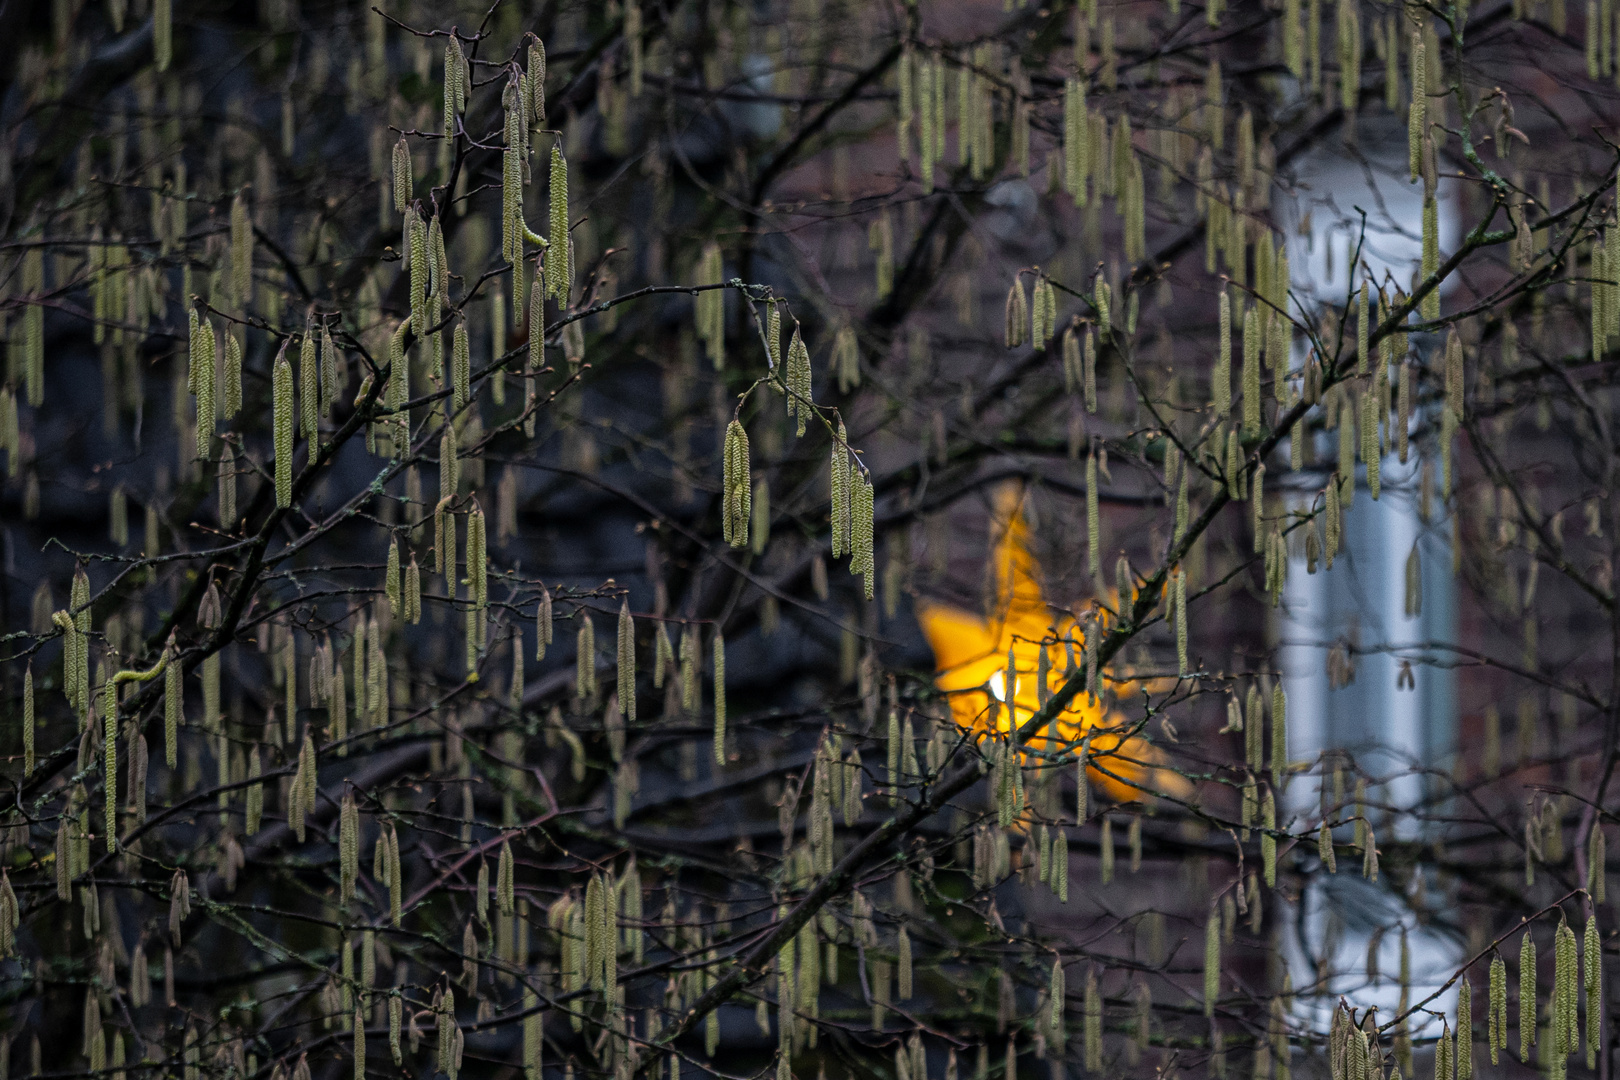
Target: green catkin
203 362
396 1018
1370 451
460 368
255 797
1212 961
227 488
348 848
512 173
282 423
447 1031
505 888
627 663
1431 257
1362 329
1465 1031
1527 996
28 719
1592 957
163 33
1221 382
1093 516
1496 1014
359 1043
391 588
241 252
1416 117
1268 839
798 381
543 625
1324 848
840 511
413 594
1017 314
904 979
533 1037
719 698
558 283
1279 735
1597 872
736 507
1251 372
1181 620
404 188
309 391
416 239
1566 963
173 706
110 760
478 560
585 659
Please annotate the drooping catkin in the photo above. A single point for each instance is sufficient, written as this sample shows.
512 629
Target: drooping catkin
413 592
904 980
585 659
1060 865
203 361
109 714
478 559
1465 1031
1416 117
558 269
1527 996
1017 314
1180 603
1212 961
1251 371
1496 1009
1362 328
505 887
241 251
1220 391
348 848
309 390
391 585
1597 869
737 480
416 238
1268 838
404 187
1430 305
1093 517
627 663
543 628
28 719
719 697
1592 959
1566 975
163 33
460 368
797 377
447 1031
840 512
282 423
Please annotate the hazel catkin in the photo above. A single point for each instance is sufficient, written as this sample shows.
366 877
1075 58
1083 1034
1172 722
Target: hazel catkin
282 423
736 508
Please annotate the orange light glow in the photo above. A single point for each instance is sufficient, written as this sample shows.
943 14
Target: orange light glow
970 658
